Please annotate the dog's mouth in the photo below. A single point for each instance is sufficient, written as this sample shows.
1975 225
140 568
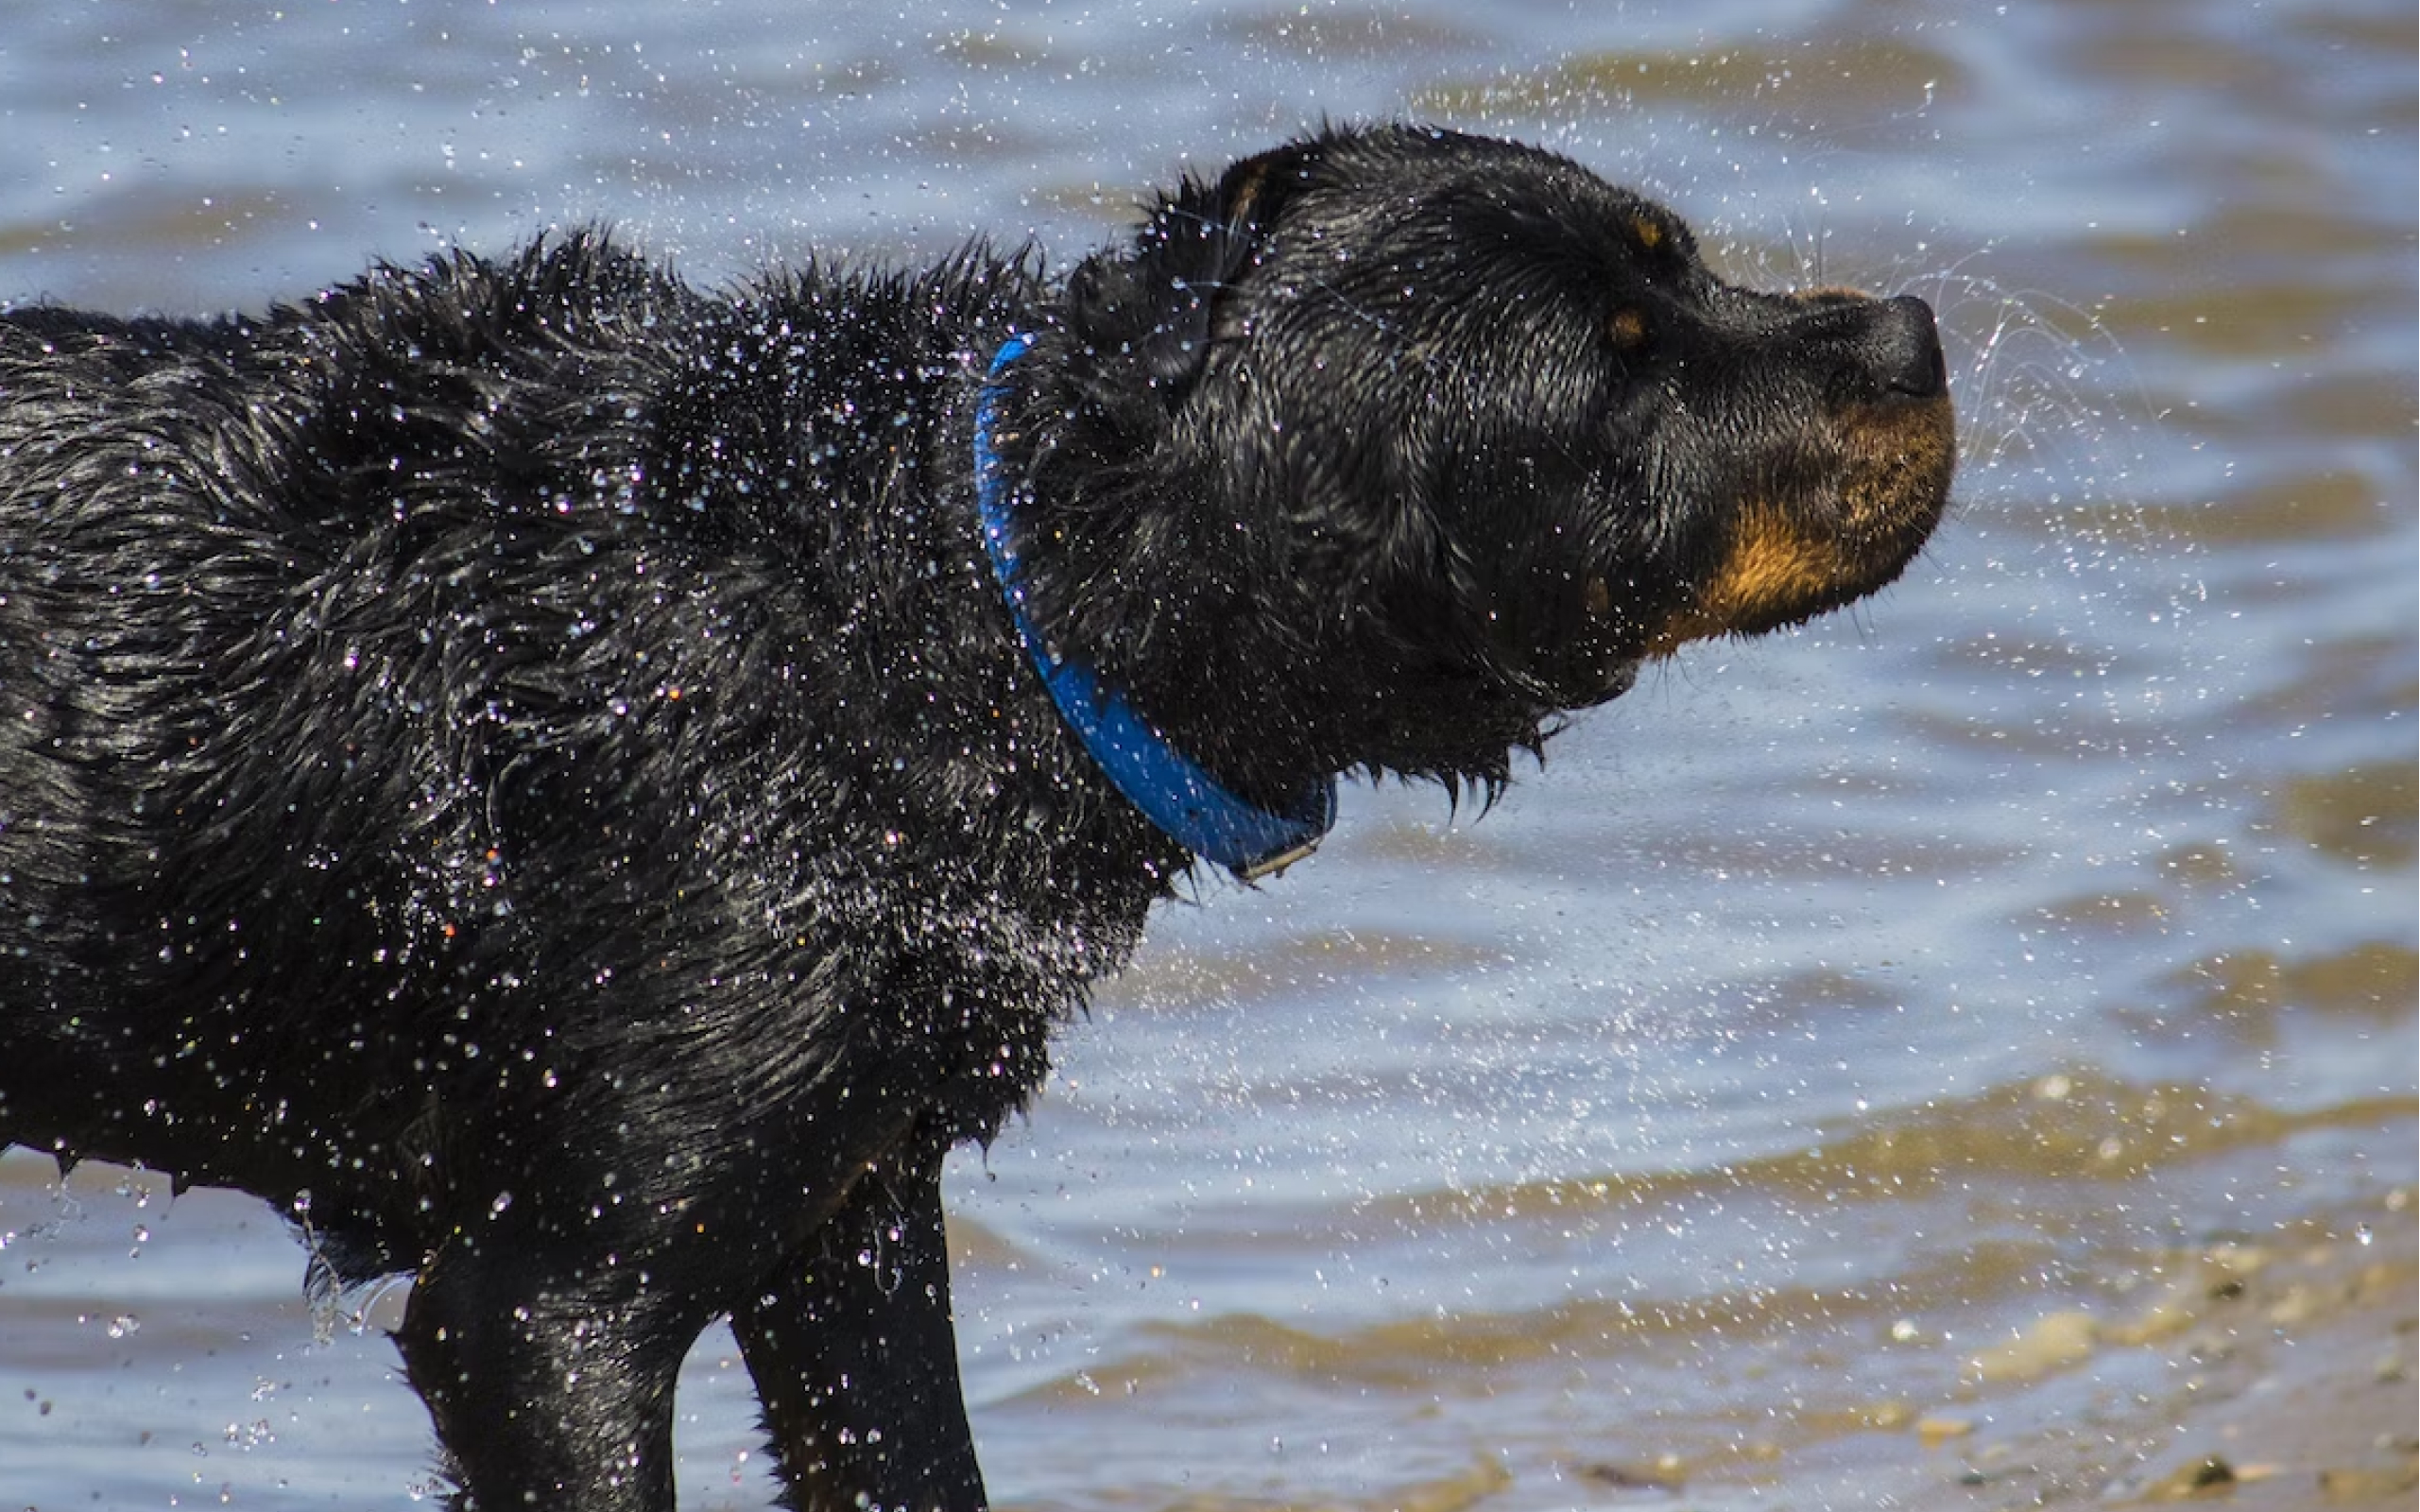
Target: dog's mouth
1783 557
1847 515
1790 558
1774 499
1838 496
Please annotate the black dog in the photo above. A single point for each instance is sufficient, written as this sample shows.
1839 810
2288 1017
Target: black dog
582 790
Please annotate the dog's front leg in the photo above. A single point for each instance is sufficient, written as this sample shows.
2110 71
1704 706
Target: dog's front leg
855 1363
546 1391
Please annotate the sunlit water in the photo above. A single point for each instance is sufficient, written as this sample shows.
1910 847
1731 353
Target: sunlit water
1832 1018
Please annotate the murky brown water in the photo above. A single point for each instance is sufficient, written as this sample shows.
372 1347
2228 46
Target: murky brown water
1833 1080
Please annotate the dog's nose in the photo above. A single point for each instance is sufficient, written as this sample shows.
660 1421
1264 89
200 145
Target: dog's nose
1900 348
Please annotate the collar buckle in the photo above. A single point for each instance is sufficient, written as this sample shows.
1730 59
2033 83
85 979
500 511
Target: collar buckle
1276 866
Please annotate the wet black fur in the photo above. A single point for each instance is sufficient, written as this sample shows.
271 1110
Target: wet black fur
524 763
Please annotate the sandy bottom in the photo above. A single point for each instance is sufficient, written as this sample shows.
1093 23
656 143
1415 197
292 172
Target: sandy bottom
2291 1387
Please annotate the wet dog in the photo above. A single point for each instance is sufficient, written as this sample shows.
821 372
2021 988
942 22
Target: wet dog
583 789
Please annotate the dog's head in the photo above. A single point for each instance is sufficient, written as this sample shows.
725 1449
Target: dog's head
1486 428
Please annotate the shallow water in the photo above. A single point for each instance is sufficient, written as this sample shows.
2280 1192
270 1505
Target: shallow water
1837 1018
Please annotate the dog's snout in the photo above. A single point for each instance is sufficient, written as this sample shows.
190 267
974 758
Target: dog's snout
1899 347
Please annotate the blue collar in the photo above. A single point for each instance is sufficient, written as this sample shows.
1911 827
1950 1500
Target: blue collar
1172 790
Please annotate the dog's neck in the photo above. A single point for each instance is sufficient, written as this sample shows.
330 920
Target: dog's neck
1171 789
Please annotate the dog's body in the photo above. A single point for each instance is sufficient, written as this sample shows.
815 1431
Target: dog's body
533 768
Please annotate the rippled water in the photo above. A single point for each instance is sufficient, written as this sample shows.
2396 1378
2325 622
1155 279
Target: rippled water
1834 1022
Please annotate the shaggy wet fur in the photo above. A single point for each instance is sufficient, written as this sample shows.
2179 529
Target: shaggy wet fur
526 766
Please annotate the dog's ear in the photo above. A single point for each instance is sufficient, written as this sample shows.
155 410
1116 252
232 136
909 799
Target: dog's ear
1156 306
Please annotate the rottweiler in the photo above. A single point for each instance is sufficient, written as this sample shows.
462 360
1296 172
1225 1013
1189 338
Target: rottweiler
581 788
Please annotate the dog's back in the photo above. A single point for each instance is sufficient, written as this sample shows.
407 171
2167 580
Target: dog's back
388 677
